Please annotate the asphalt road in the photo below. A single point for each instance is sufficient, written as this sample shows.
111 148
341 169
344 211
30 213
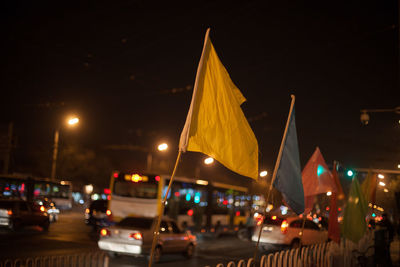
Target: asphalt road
69 235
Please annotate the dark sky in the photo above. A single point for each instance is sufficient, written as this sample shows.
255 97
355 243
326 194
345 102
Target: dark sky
127 68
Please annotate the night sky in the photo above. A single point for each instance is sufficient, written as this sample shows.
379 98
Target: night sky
127 69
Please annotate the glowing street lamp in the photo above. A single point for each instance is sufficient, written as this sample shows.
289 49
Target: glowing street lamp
263 173
72 121
382 184
381 176
208 161
162 147
329 193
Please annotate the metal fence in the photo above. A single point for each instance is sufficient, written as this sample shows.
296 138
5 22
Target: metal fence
316 255
96 259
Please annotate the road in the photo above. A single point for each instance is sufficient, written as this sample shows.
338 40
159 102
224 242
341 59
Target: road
69 235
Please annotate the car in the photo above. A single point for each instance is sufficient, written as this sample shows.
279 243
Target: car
134 236
50 207
15 214
286 231
96 215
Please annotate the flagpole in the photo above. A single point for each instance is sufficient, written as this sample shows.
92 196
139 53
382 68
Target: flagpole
278 160
157 228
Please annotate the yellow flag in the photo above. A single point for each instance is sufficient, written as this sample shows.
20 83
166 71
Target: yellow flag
215 124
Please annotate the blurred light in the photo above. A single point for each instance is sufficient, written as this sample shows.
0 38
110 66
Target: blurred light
73 121
373 215
328 193
187 197
104 232
88 189
382 184
269 207
157 178
197 198
225 202
380 176
237 213
137 236
108 212
263 173
208 161
162 147
42 209
136 178
177 194
350 173
109 197
81 201
63 183
107 191
273 217
385 190
398 166
190 212
201 182
284 226
115 174
320 170
327 208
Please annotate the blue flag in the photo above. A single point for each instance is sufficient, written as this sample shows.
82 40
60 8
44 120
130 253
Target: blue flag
288 173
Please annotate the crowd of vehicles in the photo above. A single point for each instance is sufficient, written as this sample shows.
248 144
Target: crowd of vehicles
27 201
17 213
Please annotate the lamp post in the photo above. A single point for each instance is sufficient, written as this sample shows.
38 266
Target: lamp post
365 116
71 122
162 148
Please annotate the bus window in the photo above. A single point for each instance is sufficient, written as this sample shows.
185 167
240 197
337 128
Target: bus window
132 189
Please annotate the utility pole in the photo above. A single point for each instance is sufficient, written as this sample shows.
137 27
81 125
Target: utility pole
9 147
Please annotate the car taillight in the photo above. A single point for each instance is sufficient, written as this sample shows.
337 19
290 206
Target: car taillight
137 236
9 212
284 227
108 212
104 232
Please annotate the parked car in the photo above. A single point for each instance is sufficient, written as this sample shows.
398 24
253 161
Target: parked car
16 214
134 236
287 231
50 207
96 215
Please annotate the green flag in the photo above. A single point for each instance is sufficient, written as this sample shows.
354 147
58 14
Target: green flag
354 224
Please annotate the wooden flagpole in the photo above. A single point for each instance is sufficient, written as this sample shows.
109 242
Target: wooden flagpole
278 161
157 227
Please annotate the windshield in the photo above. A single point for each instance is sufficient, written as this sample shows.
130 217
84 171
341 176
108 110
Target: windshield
131 189
144 223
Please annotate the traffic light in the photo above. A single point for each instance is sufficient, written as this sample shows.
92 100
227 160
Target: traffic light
349 173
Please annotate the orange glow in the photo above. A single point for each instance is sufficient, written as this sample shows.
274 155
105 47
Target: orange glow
104 232
274 217
42 209
137 236
87 210
284 227
108 212
136 178
9 212
203 230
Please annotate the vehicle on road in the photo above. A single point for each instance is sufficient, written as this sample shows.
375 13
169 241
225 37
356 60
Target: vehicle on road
134 236
16 214
50 207
96 215
30 188
286 231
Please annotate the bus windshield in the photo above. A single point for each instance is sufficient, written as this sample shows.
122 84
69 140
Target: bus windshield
135 189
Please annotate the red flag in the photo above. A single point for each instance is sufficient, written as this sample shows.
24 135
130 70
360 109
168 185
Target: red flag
317 178
333 226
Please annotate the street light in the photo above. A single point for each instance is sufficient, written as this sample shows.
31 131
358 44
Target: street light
208 160
72 121
365 116
161 147
263 173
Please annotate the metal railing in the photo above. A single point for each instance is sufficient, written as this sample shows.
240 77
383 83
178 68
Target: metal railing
317 255
96 259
